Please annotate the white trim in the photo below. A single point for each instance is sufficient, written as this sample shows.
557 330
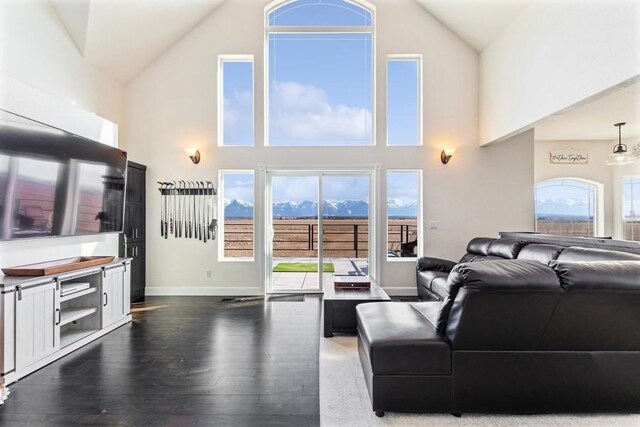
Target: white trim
220 201
623 220
235 58
204 291
419 219
403 291
409 57
269 172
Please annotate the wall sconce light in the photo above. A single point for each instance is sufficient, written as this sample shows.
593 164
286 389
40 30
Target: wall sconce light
193 154
446 155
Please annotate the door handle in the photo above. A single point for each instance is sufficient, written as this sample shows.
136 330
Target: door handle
106 299
59 317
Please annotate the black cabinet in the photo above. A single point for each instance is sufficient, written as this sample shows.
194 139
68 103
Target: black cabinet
132 241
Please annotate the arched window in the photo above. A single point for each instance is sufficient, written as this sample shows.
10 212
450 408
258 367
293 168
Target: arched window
566 206
319 73
631 207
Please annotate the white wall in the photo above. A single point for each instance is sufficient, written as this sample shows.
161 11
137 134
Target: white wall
41 72
172 105
554 55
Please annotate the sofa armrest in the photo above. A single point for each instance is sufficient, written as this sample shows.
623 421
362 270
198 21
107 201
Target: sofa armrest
435 264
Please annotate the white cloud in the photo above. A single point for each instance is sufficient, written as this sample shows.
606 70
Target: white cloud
238 118
303 112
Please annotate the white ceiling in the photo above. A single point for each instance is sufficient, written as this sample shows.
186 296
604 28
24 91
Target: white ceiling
478 22
122 38
594 120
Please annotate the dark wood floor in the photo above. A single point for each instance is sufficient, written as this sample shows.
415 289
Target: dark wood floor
185 361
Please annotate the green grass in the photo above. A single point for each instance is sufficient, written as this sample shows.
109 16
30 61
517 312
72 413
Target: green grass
302 267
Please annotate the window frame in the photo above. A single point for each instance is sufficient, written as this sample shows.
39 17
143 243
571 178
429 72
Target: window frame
268 30
622 203
221 219
419 219
598 205
409 57
246 58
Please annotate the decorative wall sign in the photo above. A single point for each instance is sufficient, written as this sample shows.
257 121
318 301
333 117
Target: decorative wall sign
636 150
570 156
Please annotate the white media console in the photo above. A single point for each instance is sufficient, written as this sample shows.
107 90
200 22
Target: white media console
38 325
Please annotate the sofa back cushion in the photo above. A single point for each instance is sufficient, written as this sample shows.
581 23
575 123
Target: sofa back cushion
540 252
506 248
575 253
599 310
498 305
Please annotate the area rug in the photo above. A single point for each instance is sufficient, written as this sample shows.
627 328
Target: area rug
344 400
302 267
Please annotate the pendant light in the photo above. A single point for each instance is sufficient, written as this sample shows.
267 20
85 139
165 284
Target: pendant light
620 155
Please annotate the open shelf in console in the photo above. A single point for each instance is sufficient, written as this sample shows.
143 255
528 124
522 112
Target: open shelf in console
80 313
70 336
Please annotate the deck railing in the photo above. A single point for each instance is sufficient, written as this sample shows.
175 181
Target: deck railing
341 237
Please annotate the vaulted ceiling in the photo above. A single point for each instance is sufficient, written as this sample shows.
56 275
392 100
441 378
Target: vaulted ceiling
122 38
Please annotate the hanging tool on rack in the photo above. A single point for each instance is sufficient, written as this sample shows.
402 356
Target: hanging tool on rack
162 185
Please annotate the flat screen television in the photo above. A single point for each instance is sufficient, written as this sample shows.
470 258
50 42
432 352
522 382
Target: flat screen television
54 183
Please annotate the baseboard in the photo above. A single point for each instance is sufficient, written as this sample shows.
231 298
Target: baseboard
202 291
408 291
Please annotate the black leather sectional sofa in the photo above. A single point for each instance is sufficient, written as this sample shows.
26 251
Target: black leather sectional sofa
513 328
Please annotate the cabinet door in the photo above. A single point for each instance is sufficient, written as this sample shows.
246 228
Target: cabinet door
112 296
137 250
37 319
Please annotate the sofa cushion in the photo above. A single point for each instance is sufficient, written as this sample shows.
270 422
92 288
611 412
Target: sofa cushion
440 287
589 254
598 276
479 245
400 340
506 248
428 310
496 276
424 284
435 264
540 252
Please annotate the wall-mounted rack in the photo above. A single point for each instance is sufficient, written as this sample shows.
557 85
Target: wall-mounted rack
188 209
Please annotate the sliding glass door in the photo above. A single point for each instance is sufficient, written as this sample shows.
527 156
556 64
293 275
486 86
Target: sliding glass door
318 227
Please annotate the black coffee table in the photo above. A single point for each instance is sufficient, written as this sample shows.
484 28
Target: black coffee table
340 307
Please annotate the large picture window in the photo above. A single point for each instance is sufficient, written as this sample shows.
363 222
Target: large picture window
320 74
404 188
404 100
235 100
566 207
237 221
631 207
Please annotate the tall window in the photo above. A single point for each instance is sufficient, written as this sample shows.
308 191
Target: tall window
631 207
403 213
320 74
566 207
404 100
235 100
237 225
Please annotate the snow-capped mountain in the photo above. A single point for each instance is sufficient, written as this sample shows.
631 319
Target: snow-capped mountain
332 208
237 209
